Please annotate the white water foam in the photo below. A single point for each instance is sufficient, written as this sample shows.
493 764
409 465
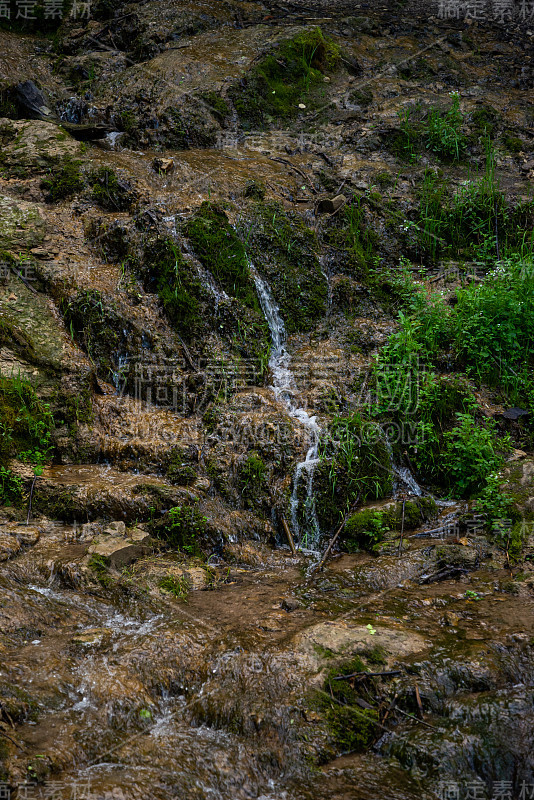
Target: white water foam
284 389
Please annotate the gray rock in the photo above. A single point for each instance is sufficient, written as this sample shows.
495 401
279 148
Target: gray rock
122 550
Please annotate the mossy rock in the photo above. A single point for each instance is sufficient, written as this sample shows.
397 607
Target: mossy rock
354 466
110 191
64 181
367 527
35 147
279 81
284 251
165 272
21 225
252 482
353 236
221 251
353 728
195 123
99 328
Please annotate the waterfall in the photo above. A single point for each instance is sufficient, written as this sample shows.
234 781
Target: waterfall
284 389
404 479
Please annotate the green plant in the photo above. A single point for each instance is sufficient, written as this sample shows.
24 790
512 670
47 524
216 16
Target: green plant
177 586
65 180
354 465
26 423
471 454
352 726
220 250
443 131
438 130
182 528
11 487
280 80
493 503
471 595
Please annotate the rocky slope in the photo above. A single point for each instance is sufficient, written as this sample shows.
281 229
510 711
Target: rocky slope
266 271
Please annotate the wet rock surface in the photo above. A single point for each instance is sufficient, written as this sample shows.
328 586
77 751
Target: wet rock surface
158 637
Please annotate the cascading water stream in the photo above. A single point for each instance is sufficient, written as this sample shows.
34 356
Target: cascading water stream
284 390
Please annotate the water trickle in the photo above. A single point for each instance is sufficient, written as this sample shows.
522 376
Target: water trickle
403 481
285 391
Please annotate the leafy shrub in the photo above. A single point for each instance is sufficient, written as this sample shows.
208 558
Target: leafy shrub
182 528
471 454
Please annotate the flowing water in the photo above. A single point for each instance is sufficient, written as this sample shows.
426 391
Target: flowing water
285 391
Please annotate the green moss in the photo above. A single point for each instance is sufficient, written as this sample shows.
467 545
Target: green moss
352 727
284 250
220 250
351 233
512 143
255 190
167 273
64 182
252 481
361 97
216 103
365 530
367 527
16 338
279 81
57 503
354 465
178 471
485 119
100 566
110 192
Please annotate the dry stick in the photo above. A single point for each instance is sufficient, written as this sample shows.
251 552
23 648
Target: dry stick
418 701
3 733
300 172
30 502
415 719
334 539
24 281
367 674
402 524
289 535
